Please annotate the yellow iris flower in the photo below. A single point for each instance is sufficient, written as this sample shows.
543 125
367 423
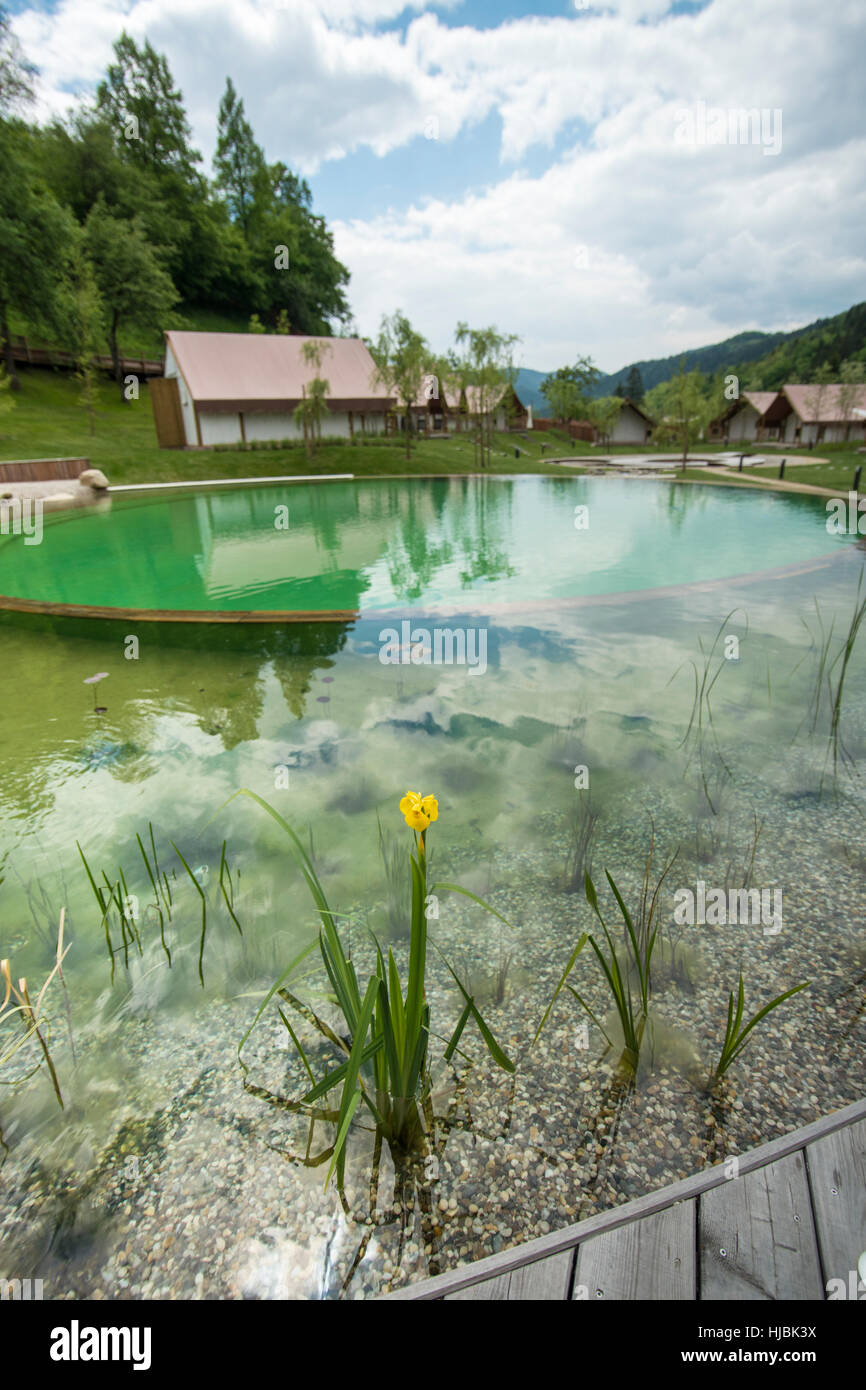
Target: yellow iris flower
419 810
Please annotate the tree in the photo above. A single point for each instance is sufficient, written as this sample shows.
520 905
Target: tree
16 73
568 391
84 316
852 375
484 366
130 279
241 172
140 99
7 400
401 357
681 408
604 413
255 325
312 407
817 395
35 233
634 387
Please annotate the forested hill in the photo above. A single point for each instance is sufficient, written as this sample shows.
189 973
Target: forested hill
770 359
140 234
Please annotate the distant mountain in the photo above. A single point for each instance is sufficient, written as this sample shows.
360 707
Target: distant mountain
733 352
771 359
527 387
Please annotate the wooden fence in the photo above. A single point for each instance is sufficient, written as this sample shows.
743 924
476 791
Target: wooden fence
41 470
576 429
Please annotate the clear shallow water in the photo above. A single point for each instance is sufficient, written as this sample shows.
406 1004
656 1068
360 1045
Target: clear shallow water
423 543
164 1176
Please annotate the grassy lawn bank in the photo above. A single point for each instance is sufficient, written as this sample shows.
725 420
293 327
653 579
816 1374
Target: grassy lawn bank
48 422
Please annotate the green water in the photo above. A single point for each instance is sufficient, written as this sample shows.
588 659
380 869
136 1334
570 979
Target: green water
390 543
163 1174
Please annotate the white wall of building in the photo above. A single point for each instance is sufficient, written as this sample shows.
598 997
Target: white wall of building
267 425
219 428
744 424
630 428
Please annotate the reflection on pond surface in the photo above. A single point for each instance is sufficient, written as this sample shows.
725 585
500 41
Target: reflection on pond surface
165 1175
381 543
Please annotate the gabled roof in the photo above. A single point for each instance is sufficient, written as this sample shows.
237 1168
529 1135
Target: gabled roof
267 371
454 395
759 400
627 400
824 404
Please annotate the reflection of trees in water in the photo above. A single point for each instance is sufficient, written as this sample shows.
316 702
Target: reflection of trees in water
296 651
484 545
477 524
415 556
216 675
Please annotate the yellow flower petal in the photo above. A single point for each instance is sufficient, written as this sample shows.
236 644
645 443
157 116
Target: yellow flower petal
430 807
410 802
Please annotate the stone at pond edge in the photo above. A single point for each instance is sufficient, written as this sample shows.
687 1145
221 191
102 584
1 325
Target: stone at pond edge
93 477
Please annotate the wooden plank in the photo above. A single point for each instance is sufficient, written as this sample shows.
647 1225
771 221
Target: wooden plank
41 470
167 413
757 1237
11 604
683 1190
546 1280
649 1259
837 1178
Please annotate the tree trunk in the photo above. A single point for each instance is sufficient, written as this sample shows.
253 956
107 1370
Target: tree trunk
115 355
9 360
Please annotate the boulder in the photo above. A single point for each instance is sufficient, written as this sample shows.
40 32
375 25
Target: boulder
93 477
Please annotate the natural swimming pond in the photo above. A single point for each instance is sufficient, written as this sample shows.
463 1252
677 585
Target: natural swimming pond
385 543
594 728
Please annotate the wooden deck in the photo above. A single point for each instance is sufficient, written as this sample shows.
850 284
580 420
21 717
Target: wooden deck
783 1222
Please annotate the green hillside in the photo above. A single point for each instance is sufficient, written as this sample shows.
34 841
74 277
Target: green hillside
771 359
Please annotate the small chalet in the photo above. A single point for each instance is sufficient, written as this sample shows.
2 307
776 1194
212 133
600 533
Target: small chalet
453 410
814 414
232 388
633 425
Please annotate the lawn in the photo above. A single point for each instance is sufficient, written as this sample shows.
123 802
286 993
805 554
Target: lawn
47 421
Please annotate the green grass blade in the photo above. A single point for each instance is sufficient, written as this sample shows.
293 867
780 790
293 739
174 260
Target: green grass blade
562 979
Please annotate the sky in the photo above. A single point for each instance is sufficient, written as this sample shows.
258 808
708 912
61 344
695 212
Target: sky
574 173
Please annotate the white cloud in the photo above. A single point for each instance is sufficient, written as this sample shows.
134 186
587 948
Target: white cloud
683 244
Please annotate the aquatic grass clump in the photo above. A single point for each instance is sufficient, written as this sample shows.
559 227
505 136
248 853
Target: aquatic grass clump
384 1041
582 822
701 739
736 1034
17 1002
832 671
119 909
632 1007
627 965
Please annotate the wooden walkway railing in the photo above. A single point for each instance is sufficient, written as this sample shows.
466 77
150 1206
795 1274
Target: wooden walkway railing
23 351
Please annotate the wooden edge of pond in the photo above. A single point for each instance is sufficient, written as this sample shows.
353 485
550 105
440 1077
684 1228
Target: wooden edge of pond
174 615
557 1242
